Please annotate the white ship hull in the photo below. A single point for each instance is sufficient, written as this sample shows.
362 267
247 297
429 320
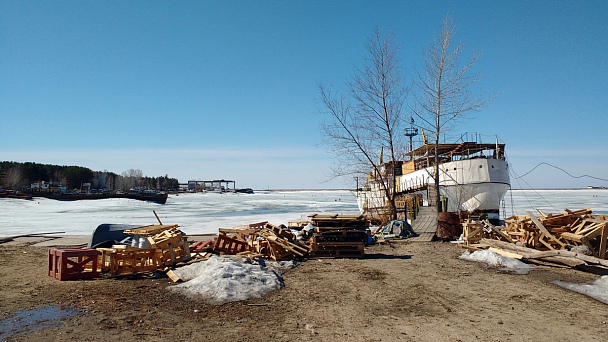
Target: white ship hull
468 185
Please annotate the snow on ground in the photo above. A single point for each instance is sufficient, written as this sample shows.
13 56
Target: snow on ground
494 259
598 289
221 280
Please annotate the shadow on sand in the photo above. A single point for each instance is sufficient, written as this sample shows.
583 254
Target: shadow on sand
386 256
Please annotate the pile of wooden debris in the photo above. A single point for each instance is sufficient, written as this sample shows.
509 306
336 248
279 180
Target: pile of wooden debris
330 236
573 238
162 247
158 246
547 232
259 240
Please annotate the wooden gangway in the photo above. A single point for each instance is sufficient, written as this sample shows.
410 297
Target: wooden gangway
425 224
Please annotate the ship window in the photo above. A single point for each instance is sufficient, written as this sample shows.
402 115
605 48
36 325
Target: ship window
492 166
480 166
454 169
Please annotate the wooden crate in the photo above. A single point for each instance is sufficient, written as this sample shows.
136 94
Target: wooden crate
172 252
123 262
69 264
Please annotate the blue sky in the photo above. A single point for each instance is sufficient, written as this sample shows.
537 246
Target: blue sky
228 89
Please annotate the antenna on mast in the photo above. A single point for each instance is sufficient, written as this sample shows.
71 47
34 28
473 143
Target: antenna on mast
411 132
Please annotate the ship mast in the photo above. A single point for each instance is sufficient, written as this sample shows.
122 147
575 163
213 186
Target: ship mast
411 132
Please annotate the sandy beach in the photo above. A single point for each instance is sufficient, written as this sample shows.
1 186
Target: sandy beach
401 291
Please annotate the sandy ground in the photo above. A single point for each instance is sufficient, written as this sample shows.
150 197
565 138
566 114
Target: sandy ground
402 291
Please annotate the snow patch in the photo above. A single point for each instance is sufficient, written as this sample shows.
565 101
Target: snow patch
597 289
501 262
223 279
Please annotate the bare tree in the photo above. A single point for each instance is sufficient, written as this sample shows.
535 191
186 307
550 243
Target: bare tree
131 179
12 178
367 119
443 89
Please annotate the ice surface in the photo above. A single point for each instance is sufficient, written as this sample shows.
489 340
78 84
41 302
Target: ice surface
195 213
205 213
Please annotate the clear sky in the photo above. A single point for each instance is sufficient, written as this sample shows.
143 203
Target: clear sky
228 89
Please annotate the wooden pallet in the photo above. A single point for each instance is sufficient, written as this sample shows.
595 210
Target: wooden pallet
337 249
340 235
225 244
339 221
132 262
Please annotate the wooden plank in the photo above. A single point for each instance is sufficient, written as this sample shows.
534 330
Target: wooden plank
603 241
173 276
571 237
501 234
149 230
506 253
548 245
236 230
529 253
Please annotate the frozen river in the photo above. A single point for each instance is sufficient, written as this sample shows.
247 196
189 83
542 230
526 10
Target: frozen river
205 213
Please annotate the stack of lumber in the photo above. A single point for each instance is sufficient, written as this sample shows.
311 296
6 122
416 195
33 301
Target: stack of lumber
259 240
338 235
547 231
165 246
561 257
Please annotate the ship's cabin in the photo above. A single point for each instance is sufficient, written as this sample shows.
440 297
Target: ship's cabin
424 156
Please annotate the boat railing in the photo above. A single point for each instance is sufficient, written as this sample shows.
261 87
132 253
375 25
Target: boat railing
474 137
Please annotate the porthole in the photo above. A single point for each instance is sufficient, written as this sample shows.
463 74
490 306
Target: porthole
480 166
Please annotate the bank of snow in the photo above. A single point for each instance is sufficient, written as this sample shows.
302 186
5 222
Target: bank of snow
496 260
224 279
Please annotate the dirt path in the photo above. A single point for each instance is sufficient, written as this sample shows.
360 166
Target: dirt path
399 292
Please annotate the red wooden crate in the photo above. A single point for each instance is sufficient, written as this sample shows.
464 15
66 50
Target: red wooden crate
66 264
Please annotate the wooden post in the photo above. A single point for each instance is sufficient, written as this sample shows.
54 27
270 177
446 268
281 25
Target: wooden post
154 211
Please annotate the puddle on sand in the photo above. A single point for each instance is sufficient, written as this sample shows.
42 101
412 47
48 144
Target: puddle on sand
35 319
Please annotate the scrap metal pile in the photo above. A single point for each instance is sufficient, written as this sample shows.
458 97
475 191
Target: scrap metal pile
548 232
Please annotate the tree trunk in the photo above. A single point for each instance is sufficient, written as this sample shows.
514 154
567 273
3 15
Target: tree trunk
436 176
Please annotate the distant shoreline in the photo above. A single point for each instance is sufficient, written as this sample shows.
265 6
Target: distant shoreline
565 189
276 190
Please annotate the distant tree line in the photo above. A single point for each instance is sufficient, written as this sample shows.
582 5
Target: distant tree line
18 176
